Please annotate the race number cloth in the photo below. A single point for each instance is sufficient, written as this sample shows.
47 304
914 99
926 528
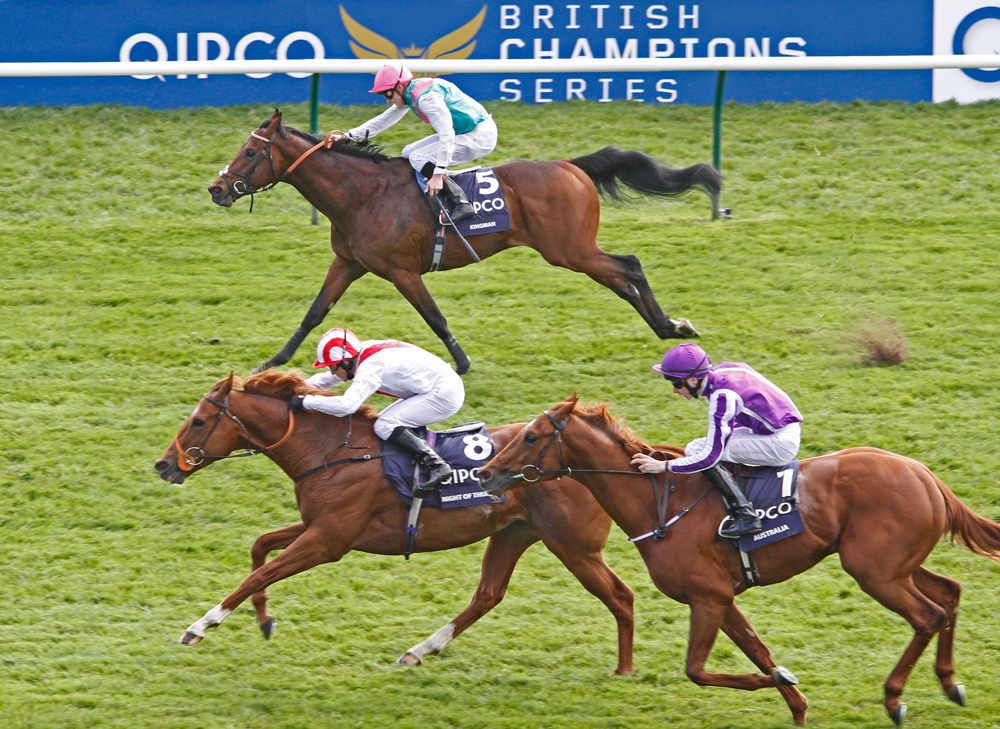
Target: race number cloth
465 448
773 490
486 196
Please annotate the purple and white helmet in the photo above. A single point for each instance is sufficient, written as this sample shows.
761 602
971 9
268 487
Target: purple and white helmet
683 361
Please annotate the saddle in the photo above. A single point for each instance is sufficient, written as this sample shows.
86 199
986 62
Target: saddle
465 448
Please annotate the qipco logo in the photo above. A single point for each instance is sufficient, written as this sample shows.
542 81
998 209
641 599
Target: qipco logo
979 32
216 47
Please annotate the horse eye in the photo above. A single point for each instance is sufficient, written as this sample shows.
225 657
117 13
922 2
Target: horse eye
251 152
530 438
198 423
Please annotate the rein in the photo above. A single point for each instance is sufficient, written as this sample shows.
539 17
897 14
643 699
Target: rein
189 458
661 492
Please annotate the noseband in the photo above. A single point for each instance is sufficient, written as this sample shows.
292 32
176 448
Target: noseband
189 458
556 437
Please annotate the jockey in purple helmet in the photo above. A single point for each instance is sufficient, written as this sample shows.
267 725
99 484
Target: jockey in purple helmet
750 420
464 130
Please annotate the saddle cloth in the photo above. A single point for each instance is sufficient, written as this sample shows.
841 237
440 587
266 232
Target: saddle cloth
773 490
465 448
487 198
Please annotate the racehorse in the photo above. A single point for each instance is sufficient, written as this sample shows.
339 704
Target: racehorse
881 511
382 223
351 506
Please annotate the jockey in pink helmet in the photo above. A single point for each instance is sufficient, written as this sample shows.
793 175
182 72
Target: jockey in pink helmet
464 130
429 391
750 420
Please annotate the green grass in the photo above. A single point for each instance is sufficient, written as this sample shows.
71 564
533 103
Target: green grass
126 294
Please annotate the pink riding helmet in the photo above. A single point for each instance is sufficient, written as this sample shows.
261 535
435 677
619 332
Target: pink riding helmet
388 76
684 360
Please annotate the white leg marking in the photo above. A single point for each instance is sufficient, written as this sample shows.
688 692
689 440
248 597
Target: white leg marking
212 618
435 644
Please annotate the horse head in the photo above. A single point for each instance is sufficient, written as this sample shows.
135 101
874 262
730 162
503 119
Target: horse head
206 435
534 454
253 169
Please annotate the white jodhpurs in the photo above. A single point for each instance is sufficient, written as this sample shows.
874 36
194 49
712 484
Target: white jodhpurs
469 146
426 408
747 447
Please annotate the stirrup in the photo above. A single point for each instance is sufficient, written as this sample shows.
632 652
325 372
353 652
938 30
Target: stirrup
741 527
429 487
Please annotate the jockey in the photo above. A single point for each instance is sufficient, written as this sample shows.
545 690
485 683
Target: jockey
428 390
750 420
465 130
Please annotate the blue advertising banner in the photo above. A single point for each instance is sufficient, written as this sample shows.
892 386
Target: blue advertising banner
138 30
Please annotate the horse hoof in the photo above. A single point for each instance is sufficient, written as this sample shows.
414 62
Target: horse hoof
784 677
409 659
267 628
190 638
898 714
684 328
957 694
462 365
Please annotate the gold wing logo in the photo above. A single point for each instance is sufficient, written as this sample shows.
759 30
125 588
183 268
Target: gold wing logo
366 43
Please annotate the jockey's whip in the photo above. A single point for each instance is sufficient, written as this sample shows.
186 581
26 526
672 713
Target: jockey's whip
445 216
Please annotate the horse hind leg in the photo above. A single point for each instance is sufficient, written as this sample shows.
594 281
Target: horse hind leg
623 274
947 593
502 554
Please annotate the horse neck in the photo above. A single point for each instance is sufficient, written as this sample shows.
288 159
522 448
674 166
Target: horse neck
332 183
267 420
626 498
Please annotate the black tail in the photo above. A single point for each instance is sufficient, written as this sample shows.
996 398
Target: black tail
611 167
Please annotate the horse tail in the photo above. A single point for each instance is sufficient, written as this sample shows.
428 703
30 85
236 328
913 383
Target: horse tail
974 532
611 167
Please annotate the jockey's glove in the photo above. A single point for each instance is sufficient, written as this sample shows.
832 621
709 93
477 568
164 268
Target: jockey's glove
296 403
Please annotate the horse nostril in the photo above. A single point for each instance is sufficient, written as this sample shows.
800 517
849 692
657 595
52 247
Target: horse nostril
161 465
483 476
215 189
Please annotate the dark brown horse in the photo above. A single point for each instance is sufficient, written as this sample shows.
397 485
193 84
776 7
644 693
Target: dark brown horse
382 223
352 507
882 512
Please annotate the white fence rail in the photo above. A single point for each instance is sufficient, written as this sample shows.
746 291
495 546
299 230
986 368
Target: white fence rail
580 65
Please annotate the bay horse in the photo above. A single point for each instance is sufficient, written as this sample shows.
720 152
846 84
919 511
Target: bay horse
352 506
882 512
382 223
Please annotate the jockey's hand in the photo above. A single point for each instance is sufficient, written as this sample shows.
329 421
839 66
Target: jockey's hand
296 403
435 184
335 136
648 464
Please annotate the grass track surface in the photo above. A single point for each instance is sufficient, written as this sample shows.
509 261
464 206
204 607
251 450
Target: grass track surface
126 294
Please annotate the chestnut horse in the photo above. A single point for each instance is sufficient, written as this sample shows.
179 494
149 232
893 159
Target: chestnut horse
882 512
382 223
352 506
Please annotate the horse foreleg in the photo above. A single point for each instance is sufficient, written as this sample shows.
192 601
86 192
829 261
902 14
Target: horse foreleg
412 287
946 592
311 548
589 567
741 632
707 618
502 553
341 275
264 545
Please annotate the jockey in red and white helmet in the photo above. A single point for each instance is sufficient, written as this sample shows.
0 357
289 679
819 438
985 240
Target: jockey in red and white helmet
750 420
428 389
464 130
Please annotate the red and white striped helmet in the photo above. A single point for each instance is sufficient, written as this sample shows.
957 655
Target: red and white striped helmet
335 346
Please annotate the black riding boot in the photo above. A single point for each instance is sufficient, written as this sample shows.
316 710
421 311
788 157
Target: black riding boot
463 208
741 511
426 457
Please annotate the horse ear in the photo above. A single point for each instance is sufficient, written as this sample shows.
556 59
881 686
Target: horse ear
566 406
226 386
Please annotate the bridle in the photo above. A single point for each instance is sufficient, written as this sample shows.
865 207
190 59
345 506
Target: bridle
661 491
190 458
243 186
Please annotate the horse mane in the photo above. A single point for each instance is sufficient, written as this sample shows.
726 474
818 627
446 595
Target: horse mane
281 385
362 150
600 416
